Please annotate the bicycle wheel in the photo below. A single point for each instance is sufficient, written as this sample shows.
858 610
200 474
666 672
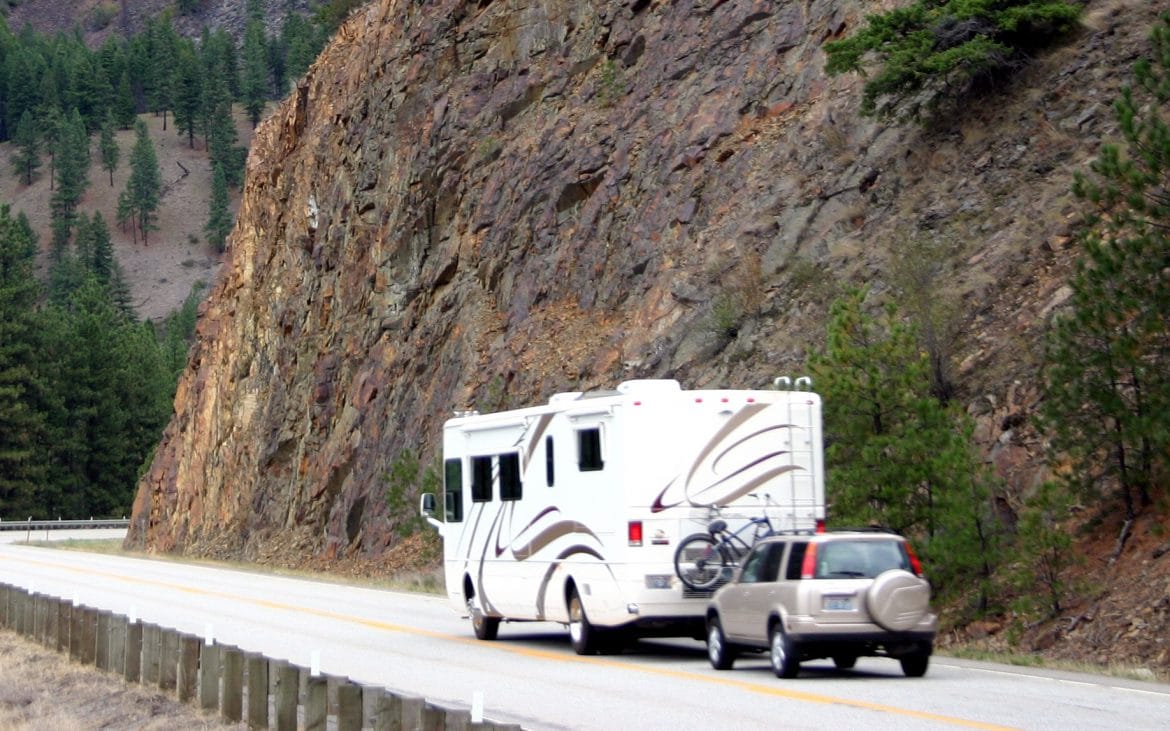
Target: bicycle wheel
700 562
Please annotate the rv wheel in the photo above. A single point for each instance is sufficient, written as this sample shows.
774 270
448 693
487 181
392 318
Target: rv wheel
486 628
584 636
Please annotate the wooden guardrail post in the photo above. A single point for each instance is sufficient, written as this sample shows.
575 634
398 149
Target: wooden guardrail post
233 684
52 623
168 654
286 695
438 718
133 652
117 643
257 691
64 626
349 705
76 632
316 703
40 617
151 647
188 672
4 606
209 675
102 638
396 712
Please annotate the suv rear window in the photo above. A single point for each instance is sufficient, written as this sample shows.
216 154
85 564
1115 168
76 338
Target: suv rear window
859 559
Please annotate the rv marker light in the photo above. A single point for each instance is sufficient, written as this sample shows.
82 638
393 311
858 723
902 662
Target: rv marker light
634 531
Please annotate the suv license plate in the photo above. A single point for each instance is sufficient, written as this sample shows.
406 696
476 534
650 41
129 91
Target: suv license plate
837 603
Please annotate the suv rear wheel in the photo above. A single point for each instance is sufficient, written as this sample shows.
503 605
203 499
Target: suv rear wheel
914 665
784 661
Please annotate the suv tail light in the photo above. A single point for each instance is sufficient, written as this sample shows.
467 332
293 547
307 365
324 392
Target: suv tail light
915 564
808 568
634 532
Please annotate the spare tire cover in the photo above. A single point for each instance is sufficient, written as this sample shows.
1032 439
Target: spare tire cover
897 600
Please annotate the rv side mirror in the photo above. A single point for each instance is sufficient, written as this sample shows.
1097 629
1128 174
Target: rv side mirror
427 505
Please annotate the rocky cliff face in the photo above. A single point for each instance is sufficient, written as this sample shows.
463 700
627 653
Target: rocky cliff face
483 203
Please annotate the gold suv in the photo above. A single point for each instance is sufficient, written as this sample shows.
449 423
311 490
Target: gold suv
840 595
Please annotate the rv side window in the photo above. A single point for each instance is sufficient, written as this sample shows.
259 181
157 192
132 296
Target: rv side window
481 479
510 487
548 461
453 490
589 450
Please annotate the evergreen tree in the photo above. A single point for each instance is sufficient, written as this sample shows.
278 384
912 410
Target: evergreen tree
255 85
124 105
72 176
1108 384
27 140
188 92
144 188
933 52
897 457
22 464
110 151
219 220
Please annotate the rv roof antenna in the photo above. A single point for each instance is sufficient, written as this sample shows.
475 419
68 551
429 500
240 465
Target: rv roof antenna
782 383
804 383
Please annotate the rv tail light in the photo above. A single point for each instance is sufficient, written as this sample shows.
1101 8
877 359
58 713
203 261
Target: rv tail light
820 525
634 531
808 568
915 564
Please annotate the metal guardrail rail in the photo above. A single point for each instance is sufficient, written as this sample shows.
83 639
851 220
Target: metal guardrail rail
39 525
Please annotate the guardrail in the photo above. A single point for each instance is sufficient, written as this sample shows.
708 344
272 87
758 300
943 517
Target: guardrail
59 524
241 686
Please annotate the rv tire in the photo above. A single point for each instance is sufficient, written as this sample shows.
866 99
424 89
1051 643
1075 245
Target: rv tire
586 638
485 627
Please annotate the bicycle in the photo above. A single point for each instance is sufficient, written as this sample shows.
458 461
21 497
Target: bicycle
703 561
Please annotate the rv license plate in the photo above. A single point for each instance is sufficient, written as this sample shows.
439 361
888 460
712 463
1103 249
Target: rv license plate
837 603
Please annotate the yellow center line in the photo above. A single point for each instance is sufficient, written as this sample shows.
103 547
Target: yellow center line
751 687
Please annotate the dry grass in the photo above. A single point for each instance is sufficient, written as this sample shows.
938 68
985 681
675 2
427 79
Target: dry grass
41 690
161 272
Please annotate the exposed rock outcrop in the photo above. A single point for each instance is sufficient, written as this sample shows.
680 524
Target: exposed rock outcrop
483 203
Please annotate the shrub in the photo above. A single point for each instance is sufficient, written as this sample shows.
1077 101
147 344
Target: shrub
939 51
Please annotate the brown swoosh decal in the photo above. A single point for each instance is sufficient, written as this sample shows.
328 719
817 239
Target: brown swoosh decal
552 567
550 534
550 509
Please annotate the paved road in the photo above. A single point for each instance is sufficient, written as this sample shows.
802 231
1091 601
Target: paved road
417 644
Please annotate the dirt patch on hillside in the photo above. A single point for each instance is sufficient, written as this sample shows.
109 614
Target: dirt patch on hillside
162 270
41 690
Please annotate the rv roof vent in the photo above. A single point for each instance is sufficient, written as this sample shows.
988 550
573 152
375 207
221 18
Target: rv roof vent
558 398
649 385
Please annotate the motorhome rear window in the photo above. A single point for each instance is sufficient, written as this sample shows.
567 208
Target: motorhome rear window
510 486
481 479
589 450
453 490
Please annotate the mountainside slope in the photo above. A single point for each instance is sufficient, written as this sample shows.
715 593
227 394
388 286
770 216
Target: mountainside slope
485 203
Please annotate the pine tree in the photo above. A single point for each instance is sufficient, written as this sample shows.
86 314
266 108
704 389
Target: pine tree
22 465
72 178
144 188
27 140
255 85
188 92
1108 375
219 219
897 457
109 148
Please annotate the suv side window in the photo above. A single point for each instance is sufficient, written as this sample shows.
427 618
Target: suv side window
763 564
754 566
795 560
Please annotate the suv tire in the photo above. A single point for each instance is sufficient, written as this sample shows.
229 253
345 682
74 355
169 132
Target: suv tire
914 665
783 655
720 652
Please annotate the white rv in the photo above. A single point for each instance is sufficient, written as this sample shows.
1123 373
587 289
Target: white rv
571 512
